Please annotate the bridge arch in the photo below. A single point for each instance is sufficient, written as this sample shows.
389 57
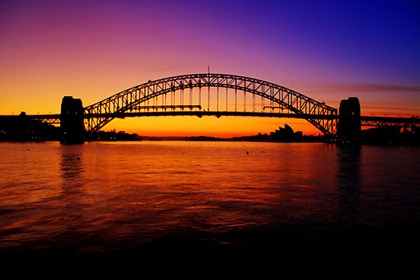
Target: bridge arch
136 101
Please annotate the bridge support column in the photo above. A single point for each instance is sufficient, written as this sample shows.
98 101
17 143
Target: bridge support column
349 122
72 121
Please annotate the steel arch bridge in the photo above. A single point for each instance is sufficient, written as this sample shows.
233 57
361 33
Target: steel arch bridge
191 95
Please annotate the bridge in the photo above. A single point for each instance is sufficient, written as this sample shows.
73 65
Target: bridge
212 94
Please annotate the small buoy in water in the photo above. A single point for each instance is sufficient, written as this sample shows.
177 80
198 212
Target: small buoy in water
247 152
78 158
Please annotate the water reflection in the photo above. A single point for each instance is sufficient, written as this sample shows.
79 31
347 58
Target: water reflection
349 183
71 166
72 218
180 196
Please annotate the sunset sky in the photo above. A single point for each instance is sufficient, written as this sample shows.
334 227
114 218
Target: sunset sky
327 50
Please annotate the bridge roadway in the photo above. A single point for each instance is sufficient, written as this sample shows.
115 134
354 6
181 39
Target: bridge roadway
366 121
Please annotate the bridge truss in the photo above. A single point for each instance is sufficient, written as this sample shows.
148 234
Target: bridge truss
210 94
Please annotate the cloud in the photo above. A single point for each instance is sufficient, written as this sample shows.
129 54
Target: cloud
370 88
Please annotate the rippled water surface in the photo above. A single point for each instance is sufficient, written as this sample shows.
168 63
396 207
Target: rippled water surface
144 196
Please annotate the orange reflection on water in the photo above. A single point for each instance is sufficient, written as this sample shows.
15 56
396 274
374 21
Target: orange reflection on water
138 192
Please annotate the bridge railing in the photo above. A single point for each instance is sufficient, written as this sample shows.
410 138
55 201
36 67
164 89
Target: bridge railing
379 121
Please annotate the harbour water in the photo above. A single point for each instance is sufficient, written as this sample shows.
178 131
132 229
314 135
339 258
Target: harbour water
105 200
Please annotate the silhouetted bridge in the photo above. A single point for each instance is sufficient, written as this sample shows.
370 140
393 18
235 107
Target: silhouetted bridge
211 94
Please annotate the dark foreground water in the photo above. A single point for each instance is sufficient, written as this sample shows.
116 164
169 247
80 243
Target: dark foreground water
126 202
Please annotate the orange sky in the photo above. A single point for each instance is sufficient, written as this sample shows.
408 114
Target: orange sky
92 50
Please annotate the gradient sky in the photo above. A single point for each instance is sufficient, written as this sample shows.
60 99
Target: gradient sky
328 50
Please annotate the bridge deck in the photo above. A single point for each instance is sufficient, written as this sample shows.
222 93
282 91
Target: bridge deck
366 120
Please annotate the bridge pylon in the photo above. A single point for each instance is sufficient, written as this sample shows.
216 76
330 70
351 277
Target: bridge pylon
72 121
349 124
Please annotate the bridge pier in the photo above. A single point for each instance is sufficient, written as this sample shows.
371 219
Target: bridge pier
349 122
72 121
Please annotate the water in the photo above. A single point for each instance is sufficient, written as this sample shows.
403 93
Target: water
166 198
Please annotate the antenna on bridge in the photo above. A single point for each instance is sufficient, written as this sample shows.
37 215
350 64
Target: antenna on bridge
208 69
